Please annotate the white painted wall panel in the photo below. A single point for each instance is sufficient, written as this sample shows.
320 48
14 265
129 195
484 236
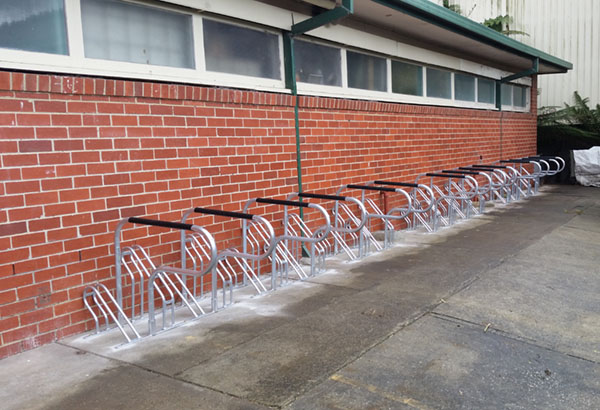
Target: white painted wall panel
566 29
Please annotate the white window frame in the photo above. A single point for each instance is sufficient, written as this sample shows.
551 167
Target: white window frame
236 80
311 87
251 14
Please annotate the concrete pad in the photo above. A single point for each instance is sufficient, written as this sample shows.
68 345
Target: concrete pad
279 364
129 387
175 350
441 364
551 300
586 222
33 378
62 378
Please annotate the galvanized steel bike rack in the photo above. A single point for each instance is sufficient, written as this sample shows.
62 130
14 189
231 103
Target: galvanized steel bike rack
346 227
452 198
482 191
502 179
232 263
374 212
139 267
422 202
289 245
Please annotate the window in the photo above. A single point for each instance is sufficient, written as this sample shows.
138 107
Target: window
407 78
519 96
34 25
506 94
318 64
113 30
439 83
366 72
238 50
464 87
486 91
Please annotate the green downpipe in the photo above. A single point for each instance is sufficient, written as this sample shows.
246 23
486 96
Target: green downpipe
290 82
344 9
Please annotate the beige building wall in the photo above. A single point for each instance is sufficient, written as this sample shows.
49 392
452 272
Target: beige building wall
566 29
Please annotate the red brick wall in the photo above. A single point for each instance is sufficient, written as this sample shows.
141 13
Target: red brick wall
77 154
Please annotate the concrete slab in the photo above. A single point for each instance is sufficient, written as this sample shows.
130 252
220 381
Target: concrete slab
175 350
548 293
29 380
441 364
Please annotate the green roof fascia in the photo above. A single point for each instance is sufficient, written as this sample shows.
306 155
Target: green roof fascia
443 17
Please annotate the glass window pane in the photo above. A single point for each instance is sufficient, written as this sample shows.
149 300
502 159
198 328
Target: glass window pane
464 87
520 96
318 64
407 78
113 30
506 94
439 83
366 72
486 91
34 25
238 50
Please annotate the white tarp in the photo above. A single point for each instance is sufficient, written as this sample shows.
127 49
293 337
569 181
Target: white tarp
587 166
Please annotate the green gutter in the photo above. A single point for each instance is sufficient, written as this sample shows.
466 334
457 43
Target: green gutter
525 73
341 11
442 17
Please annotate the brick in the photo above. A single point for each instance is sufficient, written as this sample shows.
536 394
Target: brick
28 213
6 297
59 209
68 144
14 228
35 146
42 198
61 234
36 316
105 215
96 119
39 172
22 187
51 132
73 195
28 239
21 333
5 81
19 160
57 184
66 119
17 307
8 146
43 276
54 158
110 108
81 107
50 106
43 224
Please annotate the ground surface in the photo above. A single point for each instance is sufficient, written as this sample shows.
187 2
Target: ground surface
499 312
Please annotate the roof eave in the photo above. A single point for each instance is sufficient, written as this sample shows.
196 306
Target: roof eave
442 17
